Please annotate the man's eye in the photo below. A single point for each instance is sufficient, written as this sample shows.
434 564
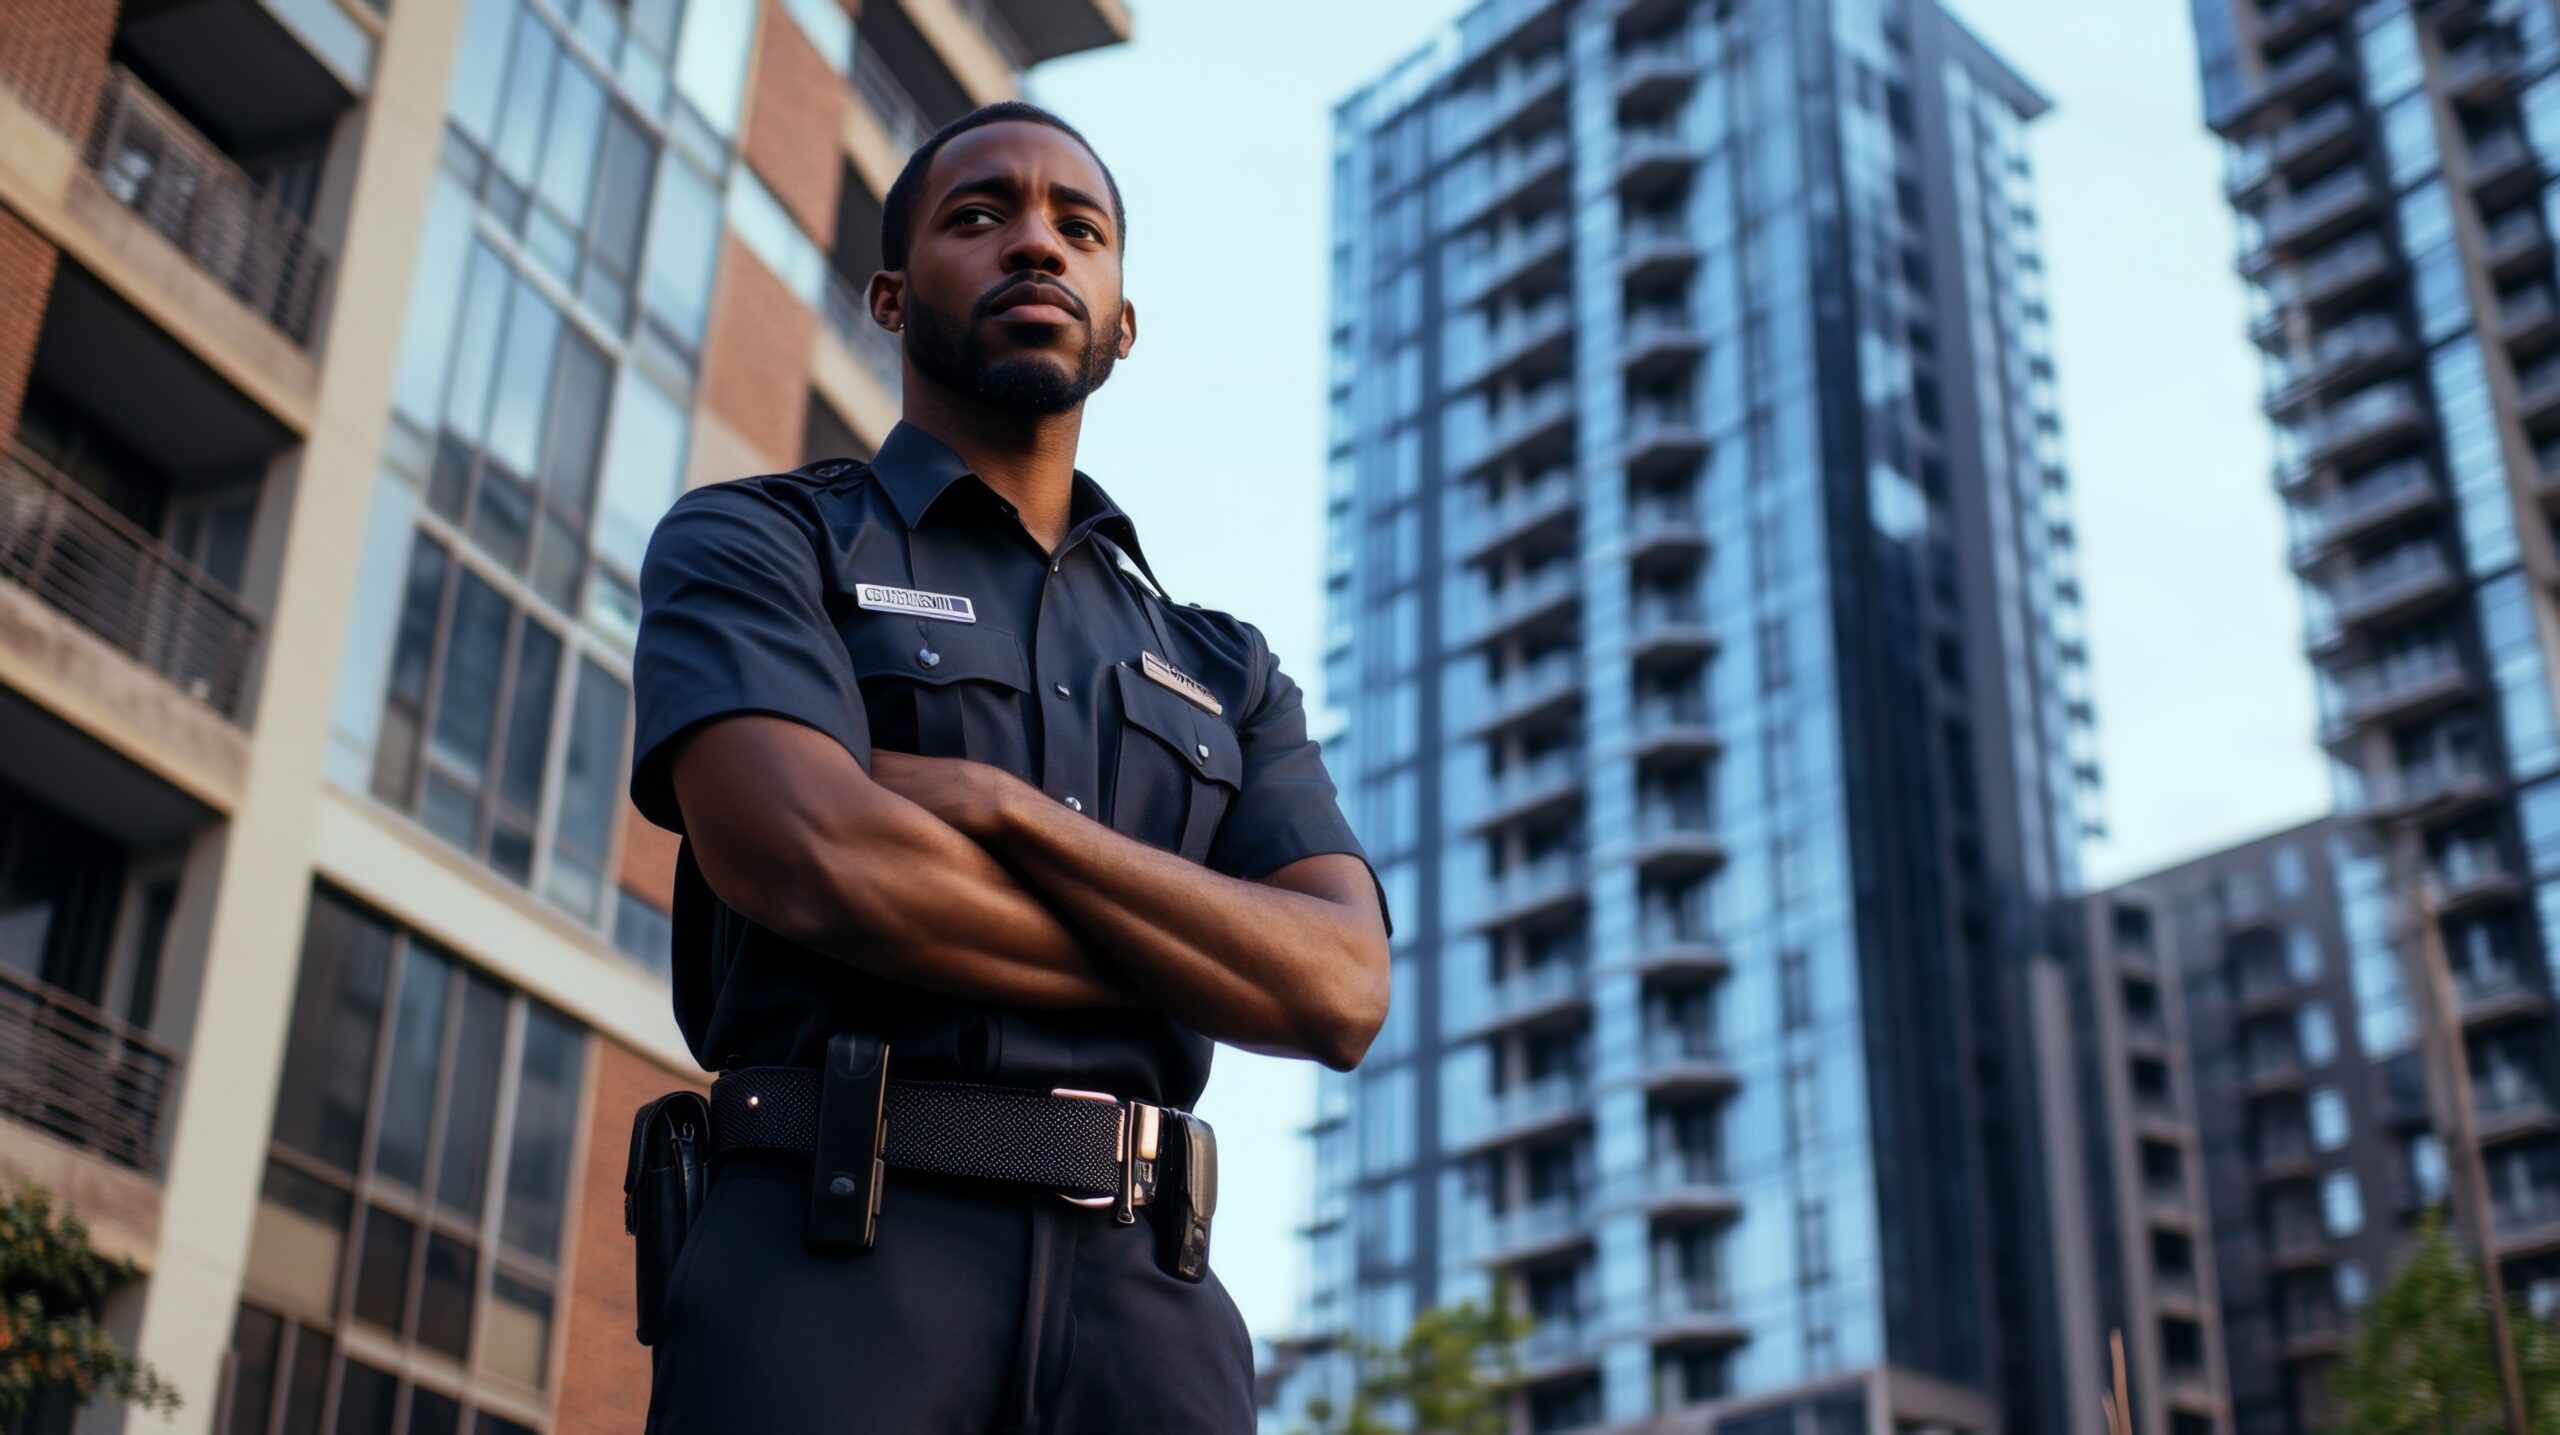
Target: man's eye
1081 230
970 216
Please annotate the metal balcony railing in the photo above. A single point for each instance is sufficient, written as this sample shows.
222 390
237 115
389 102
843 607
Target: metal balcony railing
74 1071
850 317
2378 585
87 560
1508 255
1690 1300
2404 485
999 33
1482 523
898 112
2289 219
2387 682
191 192
1531 987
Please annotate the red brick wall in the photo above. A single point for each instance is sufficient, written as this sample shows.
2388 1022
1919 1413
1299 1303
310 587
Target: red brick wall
648 859
27 262
795 117
53 54
755 361
604 1380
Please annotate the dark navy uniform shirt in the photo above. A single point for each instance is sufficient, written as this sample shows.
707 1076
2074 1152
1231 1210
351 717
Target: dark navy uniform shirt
833 596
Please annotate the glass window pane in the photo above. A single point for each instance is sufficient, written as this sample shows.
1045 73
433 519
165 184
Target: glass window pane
471 1111
583 380
529 717
529 69
590 789
417 1048
623 203
435 304
309 1385
569 151
545 1125
366 1399
444 1299
382 1268
433 1414
257 1353
684 244
711 61
524 380
413 647
643 468
474 99
467 709
475 346
502 520
519 1343
337 1010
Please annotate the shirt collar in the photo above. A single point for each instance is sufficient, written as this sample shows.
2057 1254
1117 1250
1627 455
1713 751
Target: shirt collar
916 469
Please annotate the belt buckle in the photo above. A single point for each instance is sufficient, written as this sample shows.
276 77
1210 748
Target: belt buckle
1133 1149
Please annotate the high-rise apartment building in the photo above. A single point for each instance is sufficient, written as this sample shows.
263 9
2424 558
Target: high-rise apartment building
1703 608
2392 166
2266 1121
349 350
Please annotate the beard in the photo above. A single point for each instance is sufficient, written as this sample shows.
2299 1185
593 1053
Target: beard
952 351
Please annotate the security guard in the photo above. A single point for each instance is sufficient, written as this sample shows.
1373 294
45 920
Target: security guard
986 843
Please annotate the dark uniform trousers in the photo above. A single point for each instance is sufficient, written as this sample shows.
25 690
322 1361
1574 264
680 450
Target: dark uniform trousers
985 1309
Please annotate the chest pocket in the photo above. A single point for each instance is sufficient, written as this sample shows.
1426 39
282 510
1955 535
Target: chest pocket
967 683
1179 768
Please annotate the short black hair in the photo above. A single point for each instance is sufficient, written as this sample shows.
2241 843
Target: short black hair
898 211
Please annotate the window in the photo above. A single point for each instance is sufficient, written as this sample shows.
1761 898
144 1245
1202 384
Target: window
2341 1204
2350 1284
2426 1168
2316 1035
463 1189
2302 955
2327 1107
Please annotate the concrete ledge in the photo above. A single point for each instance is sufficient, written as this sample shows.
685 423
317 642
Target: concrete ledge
98 688
121 1206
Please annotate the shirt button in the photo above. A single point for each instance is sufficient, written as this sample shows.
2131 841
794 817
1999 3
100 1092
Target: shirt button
928 658
1061 689
1053 567
1074 806
1203 750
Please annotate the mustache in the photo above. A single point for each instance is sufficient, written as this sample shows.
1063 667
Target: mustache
986 303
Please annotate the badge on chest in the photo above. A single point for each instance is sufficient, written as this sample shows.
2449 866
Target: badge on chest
1191 689
948 607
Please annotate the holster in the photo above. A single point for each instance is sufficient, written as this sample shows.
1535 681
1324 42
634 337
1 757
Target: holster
1186 1196
662 1190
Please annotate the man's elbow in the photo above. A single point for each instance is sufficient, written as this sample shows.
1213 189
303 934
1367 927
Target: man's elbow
1352 1019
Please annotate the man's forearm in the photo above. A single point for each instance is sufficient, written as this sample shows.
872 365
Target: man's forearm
1250 963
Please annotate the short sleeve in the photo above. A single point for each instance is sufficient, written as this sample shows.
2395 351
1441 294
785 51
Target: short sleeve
733 620
1288 809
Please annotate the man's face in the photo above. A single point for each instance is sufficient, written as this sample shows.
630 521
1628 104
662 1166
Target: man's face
1012 294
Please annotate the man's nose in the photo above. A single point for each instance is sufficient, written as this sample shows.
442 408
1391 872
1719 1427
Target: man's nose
1035 245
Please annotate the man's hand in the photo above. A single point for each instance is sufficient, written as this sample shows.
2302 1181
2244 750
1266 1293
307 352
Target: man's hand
969 796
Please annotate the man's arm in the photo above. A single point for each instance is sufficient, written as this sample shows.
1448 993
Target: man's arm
792 833
1295 963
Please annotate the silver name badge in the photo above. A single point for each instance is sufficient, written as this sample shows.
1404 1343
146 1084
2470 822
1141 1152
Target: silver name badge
881 598
1191 689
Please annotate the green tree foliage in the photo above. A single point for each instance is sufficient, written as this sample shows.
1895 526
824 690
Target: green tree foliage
1451 1375
52 1287
2421 1361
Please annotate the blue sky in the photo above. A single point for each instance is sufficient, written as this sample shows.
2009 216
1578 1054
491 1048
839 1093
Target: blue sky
1215 121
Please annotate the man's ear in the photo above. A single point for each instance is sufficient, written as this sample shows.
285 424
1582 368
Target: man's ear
1128 327
888 296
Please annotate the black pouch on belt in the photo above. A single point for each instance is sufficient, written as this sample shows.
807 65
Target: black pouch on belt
662 1189
1186 1196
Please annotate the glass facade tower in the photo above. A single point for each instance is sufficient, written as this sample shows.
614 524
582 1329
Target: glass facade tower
1703 612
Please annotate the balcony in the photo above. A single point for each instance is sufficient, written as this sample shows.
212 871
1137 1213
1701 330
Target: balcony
1669 627
2400 686
1525 253
1478 112
2480 71
2285 22
1652 75
2315 138
2497 994
62 544
78 1074
1690 1311
2399 490
1541 1228
2267 1070
2349 352
2295 1240
1535 888
1653 159
2406 578
1662 438
2298 221
2508 1105
1500 612
2516 243
2432 791
1664 527
1684 1059
2359 426
1541 414
1658 340
1674 939
899 114
1526 790
1540 506
2311 1332
2496 160
2527 1220
1673 729
2342 271
2469 874
1546 1104
1675 839
2313 68
1651 251
1528 995
1512 174
1036 30
1531 341
2283 1154
2528 316
1676 1184
1540 689
1558 1344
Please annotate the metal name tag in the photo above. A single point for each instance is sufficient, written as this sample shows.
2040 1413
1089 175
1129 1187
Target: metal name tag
1191 689
949 607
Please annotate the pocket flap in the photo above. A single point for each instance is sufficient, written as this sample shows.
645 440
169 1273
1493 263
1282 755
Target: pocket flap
1206 745
886 646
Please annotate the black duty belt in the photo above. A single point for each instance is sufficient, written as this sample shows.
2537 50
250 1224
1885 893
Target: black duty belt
1074 1143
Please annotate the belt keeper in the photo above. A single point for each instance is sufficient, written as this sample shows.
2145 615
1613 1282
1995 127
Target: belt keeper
847 1176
